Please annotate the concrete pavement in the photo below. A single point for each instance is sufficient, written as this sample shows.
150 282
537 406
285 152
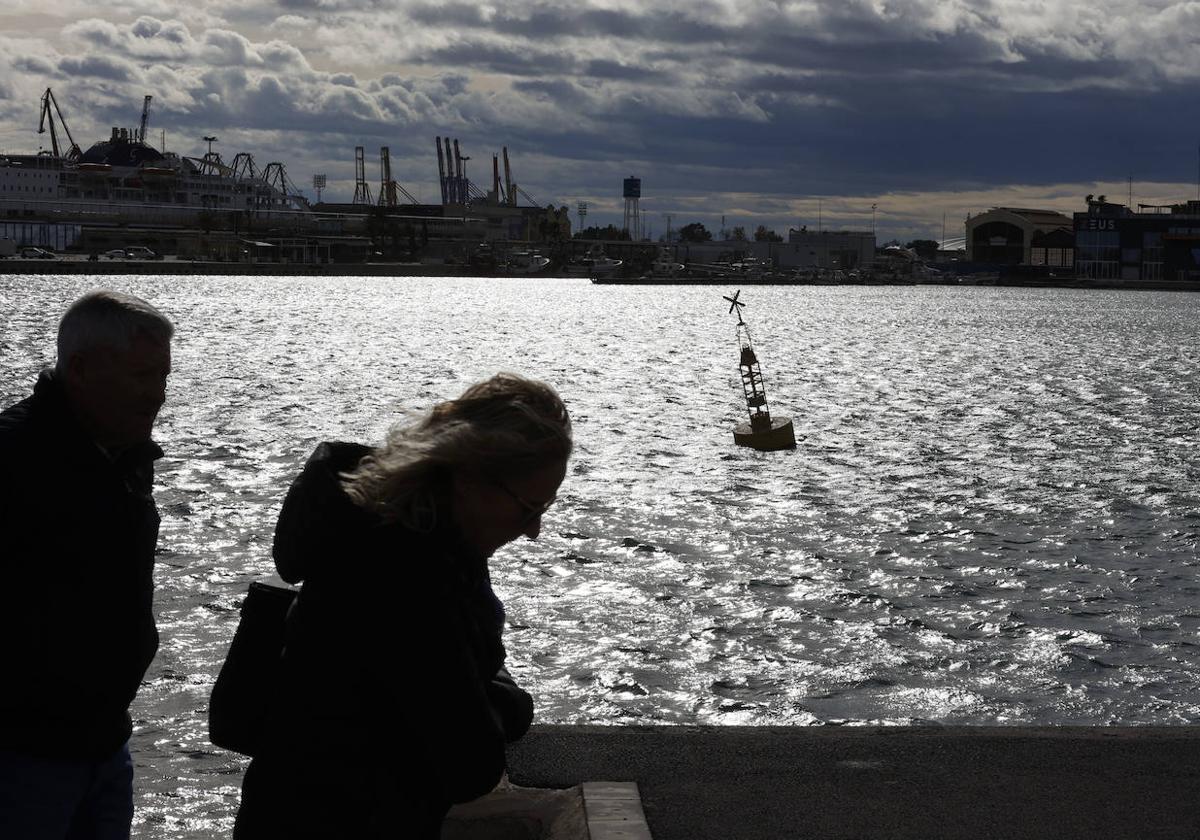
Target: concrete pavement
891 783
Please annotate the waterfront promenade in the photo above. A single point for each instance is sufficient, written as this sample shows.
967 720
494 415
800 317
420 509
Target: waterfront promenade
885 783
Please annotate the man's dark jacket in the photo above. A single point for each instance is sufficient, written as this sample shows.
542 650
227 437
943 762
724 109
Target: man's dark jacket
77 537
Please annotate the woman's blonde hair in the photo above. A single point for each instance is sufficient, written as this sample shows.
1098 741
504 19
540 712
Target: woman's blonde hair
503 426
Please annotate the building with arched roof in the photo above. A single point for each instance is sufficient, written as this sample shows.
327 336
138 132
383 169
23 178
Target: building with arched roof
1019 236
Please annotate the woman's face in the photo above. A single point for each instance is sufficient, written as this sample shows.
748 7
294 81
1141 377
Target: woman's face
494 512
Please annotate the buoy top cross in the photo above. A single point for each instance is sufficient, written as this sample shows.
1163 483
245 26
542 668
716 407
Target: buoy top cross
734 303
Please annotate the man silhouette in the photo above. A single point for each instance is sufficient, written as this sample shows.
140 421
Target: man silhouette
78 527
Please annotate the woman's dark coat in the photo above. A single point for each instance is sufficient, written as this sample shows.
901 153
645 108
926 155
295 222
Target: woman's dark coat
394 703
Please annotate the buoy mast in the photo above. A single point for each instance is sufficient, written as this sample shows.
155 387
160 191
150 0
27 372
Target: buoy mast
761 432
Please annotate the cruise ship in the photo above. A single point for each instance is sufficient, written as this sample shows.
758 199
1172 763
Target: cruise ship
126 178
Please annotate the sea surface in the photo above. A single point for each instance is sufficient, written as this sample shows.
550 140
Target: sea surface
992 516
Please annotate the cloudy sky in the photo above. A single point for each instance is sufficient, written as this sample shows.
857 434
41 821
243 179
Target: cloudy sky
771 113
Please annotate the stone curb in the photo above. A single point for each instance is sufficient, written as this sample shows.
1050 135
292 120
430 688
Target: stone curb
614 811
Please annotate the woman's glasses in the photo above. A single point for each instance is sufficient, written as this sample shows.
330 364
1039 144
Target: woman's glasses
532 511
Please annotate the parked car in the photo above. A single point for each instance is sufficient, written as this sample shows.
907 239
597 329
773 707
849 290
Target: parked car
30 252
115 254
140 252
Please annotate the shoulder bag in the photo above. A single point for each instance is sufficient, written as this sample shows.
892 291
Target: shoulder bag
245 686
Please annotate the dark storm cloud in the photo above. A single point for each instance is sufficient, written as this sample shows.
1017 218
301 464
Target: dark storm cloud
774 99
498 57
335 5
97 67
659 24
603 68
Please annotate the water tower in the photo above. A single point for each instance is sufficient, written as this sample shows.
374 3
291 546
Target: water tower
633 212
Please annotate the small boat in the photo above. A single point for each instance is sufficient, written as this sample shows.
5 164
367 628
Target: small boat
525 262
595 263
666 268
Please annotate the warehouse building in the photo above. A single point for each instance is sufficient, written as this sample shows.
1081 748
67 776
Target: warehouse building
1020 236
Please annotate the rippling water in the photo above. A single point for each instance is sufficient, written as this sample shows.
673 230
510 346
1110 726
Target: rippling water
992 515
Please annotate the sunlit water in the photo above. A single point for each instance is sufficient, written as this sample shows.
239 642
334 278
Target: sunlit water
992 515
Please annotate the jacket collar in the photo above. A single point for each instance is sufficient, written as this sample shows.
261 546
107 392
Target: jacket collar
50 393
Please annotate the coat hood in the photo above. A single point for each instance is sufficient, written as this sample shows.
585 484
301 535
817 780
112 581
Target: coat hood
317 514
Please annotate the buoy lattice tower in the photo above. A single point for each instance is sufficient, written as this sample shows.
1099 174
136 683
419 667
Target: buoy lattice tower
753 384
762 432
752 380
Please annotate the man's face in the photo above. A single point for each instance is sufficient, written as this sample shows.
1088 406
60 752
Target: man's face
118 392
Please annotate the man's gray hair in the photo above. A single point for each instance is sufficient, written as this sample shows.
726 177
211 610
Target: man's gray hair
108 319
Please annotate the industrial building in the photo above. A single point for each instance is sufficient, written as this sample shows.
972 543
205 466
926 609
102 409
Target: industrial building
830 249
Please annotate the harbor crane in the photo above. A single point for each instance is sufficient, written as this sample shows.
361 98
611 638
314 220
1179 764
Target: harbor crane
48 100
457 187
452 172
362 192
390 189
510 191
442 172
145 118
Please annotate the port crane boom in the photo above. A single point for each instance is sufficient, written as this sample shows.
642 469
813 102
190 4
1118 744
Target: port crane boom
145 118
509 194
48 100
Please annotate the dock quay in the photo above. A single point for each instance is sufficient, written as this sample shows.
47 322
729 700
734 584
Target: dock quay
80 265
884 783
221 268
